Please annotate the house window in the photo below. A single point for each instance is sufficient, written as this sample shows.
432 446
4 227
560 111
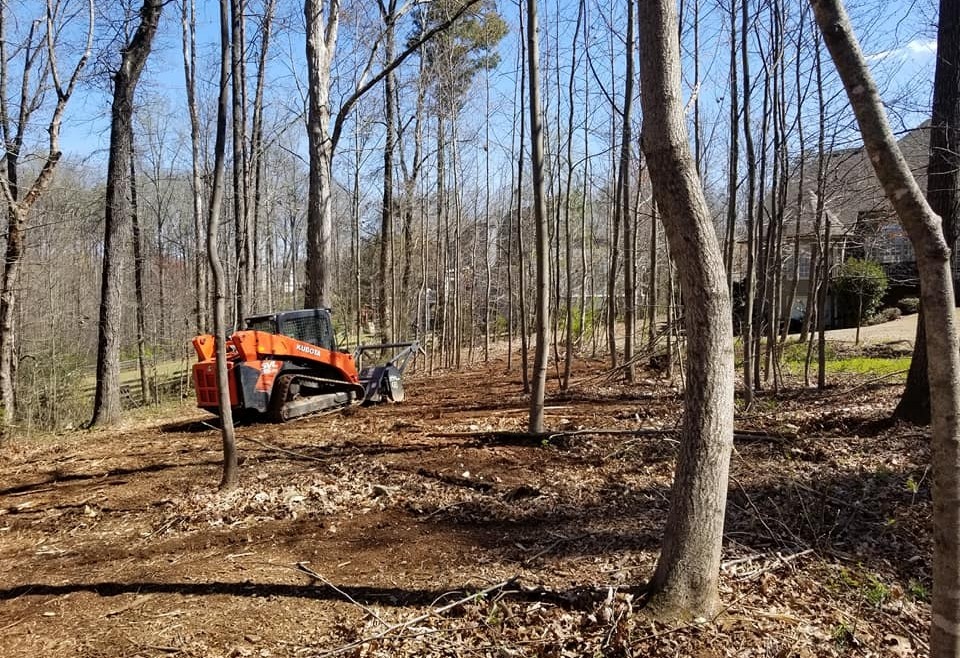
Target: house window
894 246
804 264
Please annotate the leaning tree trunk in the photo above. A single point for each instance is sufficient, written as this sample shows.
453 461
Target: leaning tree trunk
106 406
936 289
943 188
685 581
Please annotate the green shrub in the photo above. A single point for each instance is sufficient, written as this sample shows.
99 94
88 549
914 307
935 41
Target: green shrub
859 287
909 305
885 315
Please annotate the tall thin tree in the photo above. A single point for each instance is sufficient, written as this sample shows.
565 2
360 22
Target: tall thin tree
133 57
229 475
188 25
542 246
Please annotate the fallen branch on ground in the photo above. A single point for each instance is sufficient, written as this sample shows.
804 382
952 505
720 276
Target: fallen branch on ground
416 620
291 453
542 437
302 566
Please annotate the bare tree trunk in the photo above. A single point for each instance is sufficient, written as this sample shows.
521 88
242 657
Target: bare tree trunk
824 219
779 201
685 581
442 316
189 31
943 189
936 288
239 114
801 179
384 301
762 267
456 325
612 279
411 178
586 207
652 283
357 296
515 173
750 280
733 182
256 169
322 23
487 282
321 41
542 322
521 270
138 278
568 346
19 204
230 475
626 209
106 406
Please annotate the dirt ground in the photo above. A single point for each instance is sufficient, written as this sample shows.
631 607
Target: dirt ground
353 533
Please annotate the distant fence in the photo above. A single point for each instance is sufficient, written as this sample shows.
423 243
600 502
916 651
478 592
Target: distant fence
164 379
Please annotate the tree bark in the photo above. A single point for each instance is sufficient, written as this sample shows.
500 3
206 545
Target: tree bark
385 301
542 322
568 253
106 406
652 292
256 170
321 40
138 278
685 581
943 189
626 208
936 288
229 475
750 279
733 162
239 115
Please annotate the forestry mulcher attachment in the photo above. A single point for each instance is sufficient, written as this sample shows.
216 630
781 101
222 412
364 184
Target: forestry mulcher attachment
287 365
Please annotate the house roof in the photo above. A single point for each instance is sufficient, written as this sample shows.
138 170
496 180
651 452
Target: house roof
852 192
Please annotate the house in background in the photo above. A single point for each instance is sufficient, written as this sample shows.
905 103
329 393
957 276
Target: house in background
862 222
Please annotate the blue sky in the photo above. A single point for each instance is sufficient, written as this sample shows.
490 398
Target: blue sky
898 39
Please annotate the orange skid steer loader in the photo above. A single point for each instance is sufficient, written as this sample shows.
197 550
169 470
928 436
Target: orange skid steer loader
287 365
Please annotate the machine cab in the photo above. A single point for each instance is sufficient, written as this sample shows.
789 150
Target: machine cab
312 326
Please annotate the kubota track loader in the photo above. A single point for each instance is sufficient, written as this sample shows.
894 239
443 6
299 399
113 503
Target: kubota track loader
287 364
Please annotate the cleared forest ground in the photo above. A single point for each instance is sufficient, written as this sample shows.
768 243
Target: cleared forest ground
350 528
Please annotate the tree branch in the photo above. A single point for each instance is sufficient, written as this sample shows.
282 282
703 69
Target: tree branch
390 67
63 96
